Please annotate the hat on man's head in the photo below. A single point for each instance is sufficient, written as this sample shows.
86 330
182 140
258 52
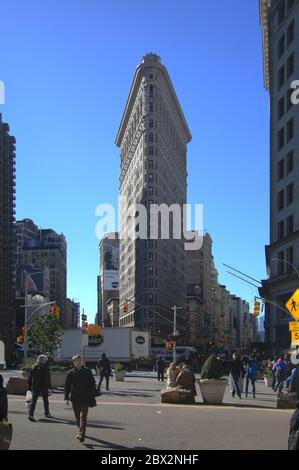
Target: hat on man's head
42 359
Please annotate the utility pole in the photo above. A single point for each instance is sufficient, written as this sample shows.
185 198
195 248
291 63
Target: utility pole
174 308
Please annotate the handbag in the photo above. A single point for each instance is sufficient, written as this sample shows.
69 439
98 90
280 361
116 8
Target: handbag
28 399
5 435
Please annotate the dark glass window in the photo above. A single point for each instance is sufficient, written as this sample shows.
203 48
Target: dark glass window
280 169
280 142
281 77
281 262
289 102
290 161
280 230
281 46
291 33
281 11
290 65
290 193
290 258
291 3
281 107
290 130
280 201
290 225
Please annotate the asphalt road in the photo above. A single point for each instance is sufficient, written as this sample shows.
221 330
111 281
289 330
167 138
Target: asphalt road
130 416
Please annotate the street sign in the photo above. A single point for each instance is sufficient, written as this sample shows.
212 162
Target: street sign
294 326
292 305
295 337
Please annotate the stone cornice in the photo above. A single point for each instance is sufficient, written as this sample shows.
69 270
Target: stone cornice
149 63
264 23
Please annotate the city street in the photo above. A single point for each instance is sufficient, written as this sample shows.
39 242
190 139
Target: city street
130 416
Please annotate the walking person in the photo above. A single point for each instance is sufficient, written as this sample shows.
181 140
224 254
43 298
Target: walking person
39 383
3 402
237 370
281 374
250 375
160 369
80 389
104 371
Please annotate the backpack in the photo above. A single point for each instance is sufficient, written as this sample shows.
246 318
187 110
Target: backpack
252 369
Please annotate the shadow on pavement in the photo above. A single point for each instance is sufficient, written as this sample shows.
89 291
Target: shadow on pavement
110 445
72 423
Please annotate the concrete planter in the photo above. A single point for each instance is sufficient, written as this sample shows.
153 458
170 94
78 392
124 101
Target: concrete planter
212 390
16 386
119 375
57 378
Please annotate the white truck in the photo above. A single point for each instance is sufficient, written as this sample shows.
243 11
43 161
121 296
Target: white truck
123 345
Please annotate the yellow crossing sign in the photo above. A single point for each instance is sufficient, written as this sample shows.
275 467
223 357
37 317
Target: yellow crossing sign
295 337
294 326
292 305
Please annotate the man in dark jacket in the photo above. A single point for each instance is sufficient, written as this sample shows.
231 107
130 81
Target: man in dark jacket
293 443
236 370
39 383
104 370
160 368
80 389
3 401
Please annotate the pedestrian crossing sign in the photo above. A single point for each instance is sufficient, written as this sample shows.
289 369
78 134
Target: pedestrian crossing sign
292 305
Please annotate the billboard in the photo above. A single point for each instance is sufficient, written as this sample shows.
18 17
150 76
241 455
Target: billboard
111 256
111 280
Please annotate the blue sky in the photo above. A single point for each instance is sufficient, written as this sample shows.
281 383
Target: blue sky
68 66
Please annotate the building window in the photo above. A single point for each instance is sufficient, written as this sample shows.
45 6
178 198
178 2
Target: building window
290 66
150 257
150 270
150 283
281 77
290 161
151 137
290 193
290 130
281 46
281 262
150 298
151 151
280 201
151 123
290 258
280 231
151 177
290 225
281 107
291 3
281 11
291 33
289 100
151 107
280 169
151 91
280 138
151 164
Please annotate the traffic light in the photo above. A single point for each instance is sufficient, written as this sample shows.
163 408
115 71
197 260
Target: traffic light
256 308
169 345
57 312
125 307
52 309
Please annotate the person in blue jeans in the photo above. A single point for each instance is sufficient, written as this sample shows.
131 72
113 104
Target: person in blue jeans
250 376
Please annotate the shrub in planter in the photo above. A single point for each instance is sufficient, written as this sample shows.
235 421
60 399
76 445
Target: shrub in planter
212 386
212 369
119 372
